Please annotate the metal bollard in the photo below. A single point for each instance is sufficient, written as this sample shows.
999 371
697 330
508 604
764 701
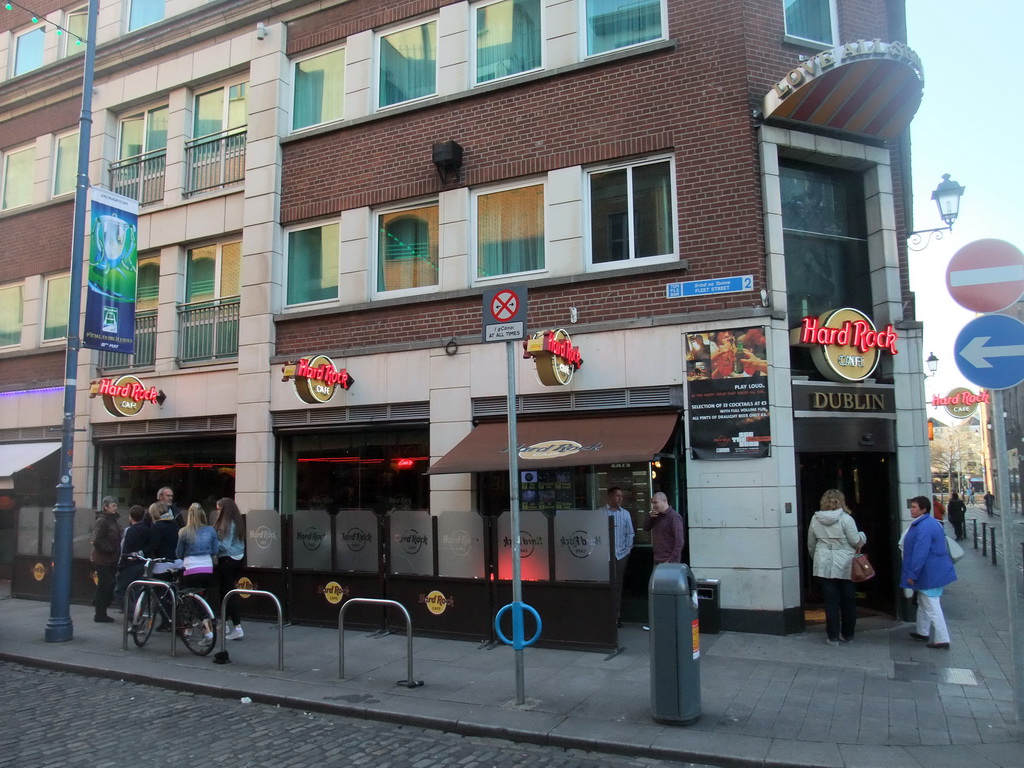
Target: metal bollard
992 533
984 539
975 533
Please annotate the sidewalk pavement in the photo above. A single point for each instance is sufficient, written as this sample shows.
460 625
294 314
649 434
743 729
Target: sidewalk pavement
883 701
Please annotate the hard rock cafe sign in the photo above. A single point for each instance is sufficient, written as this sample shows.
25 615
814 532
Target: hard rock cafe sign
124 396
316 378
845 345
555 357
961 403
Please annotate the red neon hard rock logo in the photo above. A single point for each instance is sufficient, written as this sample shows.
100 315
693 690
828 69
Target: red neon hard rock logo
317 378
852 333
125 396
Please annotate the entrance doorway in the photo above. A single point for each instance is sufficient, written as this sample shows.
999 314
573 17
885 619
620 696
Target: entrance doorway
867 480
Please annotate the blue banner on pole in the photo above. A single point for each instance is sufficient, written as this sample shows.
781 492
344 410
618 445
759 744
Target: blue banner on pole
113 273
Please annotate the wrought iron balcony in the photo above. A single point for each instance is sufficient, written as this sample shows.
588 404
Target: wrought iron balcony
141 177
145 346
215 161
208 330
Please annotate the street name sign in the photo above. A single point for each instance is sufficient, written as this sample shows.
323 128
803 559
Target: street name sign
505 314
710 287
990 351
986 275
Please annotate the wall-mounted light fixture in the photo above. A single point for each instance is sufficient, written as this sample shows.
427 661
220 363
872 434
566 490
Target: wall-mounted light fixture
447 158
261 30
947 197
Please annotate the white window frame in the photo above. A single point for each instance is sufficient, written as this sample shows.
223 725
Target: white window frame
20 287
40 28
56 157
129 6
287 256
47 284
4 168
344 79
789 37
584 34
474 220
379 36
218 267
225 112
69 44
473 48
632 262
146 114
376 214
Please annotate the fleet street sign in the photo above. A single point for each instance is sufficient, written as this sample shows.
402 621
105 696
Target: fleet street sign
990 351
986 275
710 287
505 314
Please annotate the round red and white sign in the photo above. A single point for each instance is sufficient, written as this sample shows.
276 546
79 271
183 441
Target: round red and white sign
986 275
505 305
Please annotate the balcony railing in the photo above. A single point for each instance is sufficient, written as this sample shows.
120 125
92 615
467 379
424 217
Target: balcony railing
215 161
208 330
141 177
145 346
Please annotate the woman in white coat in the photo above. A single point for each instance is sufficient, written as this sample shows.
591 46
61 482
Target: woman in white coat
832 541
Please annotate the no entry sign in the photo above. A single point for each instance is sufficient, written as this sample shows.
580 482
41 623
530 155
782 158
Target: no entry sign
986 275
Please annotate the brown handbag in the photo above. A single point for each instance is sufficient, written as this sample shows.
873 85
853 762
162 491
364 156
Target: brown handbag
861 568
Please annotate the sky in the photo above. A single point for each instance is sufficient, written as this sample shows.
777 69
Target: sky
970 125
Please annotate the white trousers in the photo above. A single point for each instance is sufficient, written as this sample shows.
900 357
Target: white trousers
929 616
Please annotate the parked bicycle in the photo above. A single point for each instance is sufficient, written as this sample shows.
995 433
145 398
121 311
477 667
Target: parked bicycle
195 621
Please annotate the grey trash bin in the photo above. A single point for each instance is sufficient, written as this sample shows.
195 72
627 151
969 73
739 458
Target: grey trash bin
675 644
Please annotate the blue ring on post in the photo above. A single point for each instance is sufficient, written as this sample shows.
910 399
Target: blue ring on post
517 641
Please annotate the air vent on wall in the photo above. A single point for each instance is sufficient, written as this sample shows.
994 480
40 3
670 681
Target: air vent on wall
594 400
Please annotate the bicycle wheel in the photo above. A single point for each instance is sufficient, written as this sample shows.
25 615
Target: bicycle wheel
144 617
192 612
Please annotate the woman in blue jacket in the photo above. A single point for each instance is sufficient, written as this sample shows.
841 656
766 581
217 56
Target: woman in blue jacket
927 568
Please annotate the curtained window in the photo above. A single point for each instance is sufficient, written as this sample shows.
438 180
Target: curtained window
65 170
19 170
10 315
213 272
810 20
613 24
312 266
510 231
407 246
408 64
319 90
508 39
55 315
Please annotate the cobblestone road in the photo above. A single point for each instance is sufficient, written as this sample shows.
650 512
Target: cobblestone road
50 718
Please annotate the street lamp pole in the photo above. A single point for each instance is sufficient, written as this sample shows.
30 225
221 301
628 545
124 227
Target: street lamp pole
59 628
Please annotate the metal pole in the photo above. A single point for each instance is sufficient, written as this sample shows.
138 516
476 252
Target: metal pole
59 628
513 484
1009 563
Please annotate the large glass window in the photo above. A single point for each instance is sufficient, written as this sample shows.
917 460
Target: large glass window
825 240
19 171
408 64
313 264
200 470
144 132
55 320
10 315
220 110
510 231
612 24
147 290
76 22
213 272
407 249
810 20
28 50
65 168
145 12
319 90
631 213
508 39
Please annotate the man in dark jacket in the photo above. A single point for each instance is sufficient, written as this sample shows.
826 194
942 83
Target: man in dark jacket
136 537
956 509
106 546
666 527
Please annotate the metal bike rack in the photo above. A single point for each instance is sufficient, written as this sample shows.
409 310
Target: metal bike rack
410 681
280 621
128 614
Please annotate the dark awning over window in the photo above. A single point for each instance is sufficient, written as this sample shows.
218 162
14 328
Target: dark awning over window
868 87
561 443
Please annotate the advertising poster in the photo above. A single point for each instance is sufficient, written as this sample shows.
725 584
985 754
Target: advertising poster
727 376
113 273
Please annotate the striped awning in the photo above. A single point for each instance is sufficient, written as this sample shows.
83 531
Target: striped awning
868 88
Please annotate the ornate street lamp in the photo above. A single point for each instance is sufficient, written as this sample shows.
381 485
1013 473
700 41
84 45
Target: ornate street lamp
933 365
947 198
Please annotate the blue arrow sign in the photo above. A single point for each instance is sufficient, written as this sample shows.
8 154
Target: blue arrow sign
990 351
